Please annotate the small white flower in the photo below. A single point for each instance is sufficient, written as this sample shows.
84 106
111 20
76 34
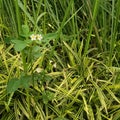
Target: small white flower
39 37
51 61
38 70
54 65
33 37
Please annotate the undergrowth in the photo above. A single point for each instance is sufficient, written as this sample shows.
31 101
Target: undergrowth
59 60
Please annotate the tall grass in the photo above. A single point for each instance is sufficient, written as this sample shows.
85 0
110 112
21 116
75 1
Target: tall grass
73 74
92 22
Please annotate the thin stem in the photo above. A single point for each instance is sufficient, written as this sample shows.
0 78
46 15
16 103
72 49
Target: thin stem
44 23
112 41
91 27
25 7
18 16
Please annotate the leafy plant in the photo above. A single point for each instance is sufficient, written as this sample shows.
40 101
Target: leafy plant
59 60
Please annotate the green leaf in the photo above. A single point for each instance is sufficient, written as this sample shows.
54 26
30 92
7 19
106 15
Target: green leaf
36 51
43 77
19 44
16 83
47 96
25 30
7 40
13 85
50 95
50 36
25 81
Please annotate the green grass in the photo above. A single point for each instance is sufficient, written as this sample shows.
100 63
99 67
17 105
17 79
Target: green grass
73 73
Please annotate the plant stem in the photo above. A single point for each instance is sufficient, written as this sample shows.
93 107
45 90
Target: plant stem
18 16
25 7
91 26
24 62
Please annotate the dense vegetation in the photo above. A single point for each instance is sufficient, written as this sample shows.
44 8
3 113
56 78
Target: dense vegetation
59 59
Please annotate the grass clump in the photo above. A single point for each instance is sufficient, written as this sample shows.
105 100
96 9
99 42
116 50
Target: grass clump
59 60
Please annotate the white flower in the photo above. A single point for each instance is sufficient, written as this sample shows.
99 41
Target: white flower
39 37
33 37
36 37
51 61
54 65
38 70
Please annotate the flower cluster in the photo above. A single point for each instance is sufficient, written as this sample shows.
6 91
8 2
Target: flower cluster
36 37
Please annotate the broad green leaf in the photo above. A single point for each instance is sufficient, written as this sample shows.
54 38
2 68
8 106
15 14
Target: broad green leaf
19 44
36 51
16 83
25 30
13 85
25 81
7 40
50 36
20 47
